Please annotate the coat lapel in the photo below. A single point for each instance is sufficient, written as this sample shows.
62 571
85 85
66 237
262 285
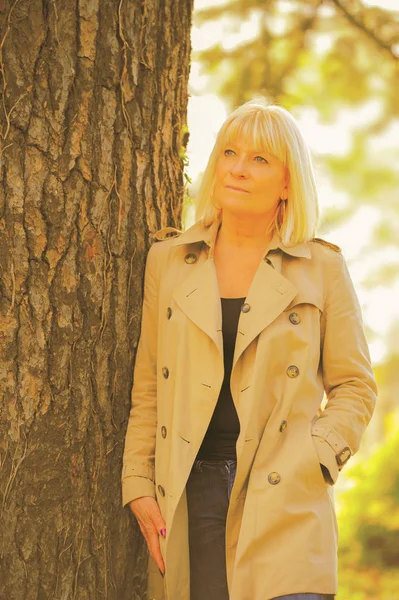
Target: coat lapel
198 297
270 293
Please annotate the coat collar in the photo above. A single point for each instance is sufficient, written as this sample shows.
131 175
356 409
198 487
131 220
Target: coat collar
200 233
270 292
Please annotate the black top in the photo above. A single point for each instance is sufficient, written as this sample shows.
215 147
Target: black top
223 430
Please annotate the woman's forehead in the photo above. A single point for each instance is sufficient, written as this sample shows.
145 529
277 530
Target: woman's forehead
247 145
250 139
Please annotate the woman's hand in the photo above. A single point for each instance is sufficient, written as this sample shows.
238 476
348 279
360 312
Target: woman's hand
152 525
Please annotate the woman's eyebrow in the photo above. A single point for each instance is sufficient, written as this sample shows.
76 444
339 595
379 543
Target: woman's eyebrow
261 152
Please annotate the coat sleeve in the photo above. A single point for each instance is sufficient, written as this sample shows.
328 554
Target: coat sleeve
138 472
348 377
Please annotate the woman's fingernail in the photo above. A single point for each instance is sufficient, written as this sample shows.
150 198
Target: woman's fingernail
163 532
161 573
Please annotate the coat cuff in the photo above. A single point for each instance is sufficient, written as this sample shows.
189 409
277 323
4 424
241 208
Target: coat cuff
327 457
135 487
336 442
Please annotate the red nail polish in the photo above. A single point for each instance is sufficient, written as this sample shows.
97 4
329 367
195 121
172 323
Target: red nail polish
163 532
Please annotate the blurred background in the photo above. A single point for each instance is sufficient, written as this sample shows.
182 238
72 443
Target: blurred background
335 65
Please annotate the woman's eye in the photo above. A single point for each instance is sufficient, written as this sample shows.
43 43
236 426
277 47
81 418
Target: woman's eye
228 152
260 159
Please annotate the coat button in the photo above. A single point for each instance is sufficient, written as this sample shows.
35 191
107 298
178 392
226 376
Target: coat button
161 490
295 318
292 371
163 431
169 312
165 372
245 307
190 258
274 478
283 426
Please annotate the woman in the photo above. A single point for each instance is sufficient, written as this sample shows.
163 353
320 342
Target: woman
247 320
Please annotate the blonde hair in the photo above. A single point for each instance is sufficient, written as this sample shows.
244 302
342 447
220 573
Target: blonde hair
271 128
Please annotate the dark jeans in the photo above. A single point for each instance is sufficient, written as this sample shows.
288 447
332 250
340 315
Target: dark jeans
208 493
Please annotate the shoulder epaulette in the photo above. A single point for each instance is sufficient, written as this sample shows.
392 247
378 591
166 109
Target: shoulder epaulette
166 233
328 244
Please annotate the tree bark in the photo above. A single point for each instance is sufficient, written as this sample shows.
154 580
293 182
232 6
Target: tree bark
92 108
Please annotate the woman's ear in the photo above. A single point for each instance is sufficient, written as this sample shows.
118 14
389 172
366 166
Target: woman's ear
284 193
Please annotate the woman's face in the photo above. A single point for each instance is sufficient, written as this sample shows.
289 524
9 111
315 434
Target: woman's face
249 181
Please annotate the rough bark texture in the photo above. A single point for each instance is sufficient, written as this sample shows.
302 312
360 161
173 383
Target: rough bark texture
93 102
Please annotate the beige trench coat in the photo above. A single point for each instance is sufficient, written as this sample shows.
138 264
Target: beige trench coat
302 336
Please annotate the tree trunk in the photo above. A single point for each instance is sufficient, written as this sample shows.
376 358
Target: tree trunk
92 115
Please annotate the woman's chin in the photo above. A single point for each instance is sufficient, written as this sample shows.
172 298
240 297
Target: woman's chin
239 210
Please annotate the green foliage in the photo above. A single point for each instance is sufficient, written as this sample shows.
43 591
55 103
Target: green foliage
383 275
334 216
385 234
374 174
188 201
184 135
360 61
369 525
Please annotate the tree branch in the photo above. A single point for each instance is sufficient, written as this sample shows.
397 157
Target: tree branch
359 23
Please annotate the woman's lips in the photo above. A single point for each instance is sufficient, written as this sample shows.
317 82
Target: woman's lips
236 189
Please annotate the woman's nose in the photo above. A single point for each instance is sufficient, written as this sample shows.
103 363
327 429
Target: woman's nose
239 168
